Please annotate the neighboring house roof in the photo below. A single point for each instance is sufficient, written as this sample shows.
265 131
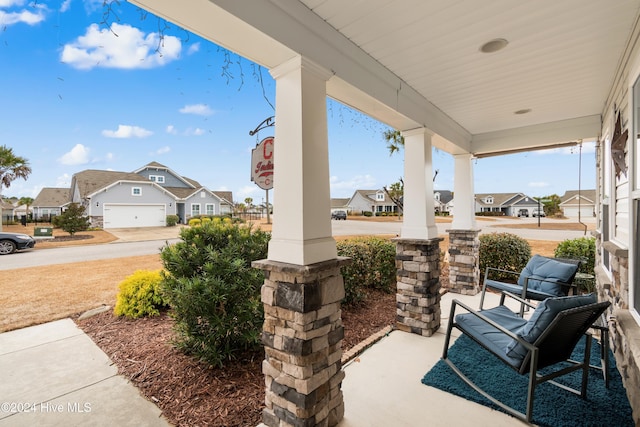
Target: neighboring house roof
51 197
226 196
445 196
6 206
90 181
571 197
156 165
339 203
500 199
371 196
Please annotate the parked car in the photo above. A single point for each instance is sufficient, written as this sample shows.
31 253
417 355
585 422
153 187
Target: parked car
539 213
11 242
523 212
338 215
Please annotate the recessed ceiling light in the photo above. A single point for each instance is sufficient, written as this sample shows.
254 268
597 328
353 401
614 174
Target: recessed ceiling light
523 111
494 45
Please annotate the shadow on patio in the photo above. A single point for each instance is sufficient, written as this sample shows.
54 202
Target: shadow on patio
382 386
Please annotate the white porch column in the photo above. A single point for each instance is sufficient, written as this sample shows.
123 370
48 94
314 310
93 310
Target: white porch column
464 216
419 218
301 231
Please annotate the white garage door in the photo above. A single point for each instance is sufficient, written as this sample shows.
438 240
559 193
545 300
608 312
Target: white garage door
585 212
126 216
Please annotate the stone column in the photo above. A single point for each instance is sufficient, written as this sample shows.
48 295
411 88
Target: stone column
464 246
464 270
302 336
418 283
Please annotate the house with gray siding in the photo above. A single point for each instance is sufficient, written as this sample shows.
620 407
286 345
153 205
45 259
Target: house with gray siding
142 198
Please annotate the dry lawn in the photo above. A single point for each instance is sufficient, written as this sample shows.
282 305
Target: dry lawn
36 295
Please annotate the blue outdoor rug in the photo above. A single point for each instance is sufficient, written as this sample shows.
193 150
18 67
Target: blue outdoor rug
553 406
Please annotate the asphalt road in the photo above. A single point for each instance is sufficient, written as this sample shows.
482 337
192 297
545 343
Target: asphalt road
151 244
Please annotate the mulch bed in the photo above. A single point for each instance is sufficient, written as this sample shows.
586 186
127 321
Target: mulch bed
191 393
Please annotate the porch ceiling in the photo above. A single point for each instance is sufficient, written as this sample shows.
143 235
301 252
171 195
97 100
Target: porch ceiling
412 63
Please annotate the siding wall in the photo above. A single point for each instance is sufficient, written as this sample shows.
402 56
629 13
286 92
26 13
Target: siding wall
613 274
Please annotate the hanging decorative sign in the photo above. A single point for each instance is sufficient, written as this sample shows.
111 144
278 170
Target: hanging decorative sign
262 164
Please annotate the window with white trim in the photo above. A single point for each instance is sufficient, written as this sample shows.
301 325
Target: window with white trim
380 196
210 209
195 209
488 200
136 191
157 178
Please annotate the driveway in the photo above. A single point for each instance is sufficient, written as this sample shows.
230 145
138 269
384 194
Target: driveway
142 234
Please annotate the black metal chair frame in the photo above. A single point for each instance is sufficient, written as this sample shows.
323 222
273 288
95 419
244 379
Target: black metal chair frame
566 286
554 345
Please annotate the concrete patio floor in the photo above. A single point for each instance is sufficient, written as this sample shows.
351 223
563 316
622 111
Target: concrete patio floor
382 386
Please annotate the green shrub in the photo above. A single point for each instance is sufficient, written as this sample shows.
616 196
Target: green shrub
194 222
372 265
213 291
505 251
582 248
367 213
172 220
72 220
140 295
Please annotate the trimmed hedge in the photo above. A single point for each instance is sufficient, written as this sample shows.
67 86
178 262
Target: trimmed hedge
505 251
373 265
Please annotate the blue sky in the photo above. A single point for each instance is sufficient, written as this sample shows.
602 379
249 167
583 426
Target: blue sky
77 96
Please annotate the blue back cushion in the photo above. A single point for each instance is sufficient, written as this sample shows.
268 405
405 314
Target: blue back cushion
542 317
554 273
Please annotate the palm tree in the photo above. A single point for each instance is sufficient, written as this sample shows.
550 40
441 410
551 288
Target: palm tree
26 201
395 140
12 167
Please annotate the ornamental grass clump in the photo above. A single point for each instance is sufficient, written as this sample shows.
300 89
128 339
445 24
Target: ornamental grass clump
213 291
140 295
504 251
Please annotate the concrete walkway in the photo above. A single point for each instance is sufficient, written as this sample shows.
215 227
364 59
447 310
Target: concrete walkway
54 375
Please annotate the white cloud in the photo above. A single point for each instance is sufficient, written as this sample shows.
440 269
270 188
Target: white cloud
129 49
63 180
126 131
588 147
78 155
247 191
66 5
34 15
109 157
160 151
171 129
194 132
193 48
197 109
358 182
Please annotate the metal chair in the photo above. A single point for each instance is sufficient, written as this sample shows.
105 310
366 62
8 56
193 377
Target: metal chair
547 338
542 278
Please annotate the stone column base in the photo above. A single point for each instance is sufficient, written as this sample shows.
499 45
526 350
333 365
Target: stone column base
464 257
302 335
418 283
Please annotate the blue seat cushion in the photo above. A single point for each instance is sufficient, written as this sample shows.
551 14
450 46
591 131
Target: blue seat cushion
541 318
533 294
490 337
547 275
